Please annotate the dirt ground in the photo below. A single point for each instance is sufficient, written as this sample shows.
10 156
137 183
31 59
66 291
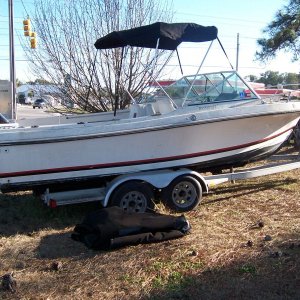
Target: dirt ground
244 244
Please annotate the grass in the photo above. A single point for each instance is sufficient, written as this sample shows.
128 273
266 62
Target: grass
215 261
65 110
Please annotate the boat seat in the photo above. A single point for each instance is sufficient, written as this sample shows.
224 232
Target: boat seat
136 111
159 107
150 110
164 106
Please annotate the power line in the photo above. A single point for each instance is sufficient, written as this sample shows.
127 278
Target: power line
25 2
6 59
225 18
5 28
8 17
184 65
25 8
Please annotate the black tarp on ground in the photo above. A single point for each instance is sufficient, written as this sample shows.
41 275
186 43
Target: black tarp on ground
112 227
169 35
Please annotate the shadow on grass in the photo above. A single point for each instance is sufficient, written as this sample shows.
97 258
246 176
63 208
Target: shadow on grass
242 189
61 245
22 213
275 274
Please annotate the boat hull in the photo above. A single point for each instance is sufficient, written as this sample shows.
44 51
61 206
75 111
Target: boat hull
201 141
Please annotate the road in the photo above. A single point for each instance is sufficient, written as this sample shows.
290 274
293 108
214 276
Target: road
27 112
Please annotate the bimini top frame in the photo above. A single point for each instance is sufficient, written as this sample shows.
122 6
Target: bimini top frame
159 35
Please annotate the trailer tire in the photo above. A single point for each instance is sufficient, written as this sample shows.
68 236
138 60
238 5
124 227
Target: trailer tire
183 194
133 196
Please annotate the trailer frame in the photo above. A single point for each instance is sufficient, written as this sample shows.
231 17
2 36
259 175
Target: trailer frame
161 181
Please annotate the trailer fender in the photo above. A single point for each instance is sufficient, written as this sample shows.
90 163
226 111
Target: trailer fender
158 179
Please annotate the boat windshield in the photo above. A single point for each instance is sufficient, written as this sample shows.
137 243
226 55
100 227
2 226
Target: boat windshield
206 89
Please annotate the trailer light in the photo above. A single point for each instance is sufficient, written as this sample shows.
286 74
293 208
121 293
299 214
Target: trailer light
52 203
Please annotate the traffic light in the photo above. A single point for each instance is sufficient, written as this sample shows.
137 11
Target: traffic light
29 33
33 41
27 27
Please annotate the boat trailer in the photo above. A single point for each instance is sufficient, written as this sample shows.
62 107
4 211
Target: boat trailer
180 190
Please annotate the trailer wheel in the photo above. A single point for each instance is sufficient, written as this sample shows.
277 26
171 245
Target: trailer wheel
133 196
182 194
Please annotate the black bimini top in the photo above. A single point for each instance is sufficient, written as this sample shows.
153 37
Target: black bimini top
169 35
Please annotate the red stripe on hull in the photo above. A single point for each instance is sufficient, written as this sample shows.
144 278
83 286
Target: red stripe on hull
138 162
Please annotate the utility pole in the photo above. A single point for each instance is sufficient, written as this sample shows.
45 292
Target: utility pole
237 51
12 60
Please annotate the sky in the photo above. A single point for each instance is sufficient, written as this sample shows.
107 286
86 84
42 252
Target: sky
232 17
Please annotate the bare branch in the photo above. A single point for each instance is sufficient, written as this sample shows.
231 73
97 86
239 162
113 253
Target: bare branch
67 31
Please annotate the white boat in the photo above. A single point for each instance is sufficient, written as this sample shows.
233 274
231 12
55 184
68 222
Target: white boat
205 121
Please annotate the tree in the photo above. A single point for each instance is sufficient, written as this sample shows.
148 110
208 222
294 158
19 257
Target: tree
18 82
251 78
66 56
291 81
42 81
39 81
272 78
283 32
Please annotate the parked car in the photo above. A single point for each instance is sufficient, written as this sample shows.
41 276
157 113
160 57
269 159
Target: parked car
39 103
